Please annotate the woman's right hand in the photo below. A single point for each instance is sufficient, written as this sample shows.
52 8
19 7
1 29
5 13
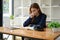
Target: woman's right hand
32 15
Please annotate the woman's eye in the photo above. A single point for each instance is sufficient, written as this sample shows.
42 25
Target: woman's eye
33 10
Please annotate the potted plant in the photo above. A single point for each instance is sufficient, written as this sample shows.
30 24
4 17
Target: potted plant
11 20
55 26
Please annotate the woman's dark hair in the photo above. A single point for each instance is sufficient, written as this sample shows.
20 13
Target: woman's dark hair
35 5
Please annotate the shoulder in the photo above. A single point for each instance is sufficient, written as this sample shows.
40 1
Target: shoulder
43 14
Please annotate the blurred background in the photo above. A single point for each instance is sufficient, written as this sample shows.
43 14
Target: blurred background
20 10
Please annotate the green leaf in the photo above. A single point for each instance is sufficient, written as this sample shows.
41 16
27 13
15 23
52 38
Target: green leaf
12 17
54 25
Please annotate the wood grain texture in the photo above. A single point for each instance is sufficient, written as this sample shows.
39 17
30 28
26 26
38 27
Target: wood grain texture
47 34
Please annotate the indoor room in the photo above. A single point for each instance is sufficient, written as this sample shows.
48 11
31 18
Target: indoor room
30 19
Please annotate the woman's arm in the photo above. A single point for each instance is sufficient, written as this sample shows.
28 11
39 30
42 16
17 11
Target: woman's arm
27 22
42 23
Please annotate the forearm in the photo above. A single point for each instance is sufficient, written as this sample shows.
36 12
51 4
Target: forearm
27 22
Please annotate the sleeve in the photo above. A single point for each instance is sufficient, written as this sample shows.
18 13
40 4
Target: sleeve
42 23
27 22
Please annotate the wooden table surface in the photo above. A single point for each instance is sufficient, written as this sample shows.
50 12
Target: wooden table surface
47 34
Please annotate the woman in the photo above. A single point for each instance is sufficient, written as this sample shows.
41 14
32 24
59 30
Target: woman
37 19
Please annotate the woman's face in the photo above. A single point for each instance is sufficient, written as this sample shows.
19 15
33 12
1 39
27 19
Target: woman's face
34 11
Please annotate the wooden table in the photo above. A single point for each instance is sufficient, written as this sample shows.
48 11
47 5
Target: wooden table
47 34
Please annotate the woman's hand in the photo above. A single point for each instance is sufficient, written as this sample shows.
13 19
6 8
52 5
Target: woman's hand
32 15
28 28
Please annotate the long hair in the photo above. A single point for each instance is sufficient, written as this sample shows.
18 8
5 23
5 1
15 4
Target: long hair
35 5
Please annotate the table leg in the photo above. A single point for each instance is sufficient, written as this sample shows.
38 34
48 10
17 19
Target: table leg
14 37
22 38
